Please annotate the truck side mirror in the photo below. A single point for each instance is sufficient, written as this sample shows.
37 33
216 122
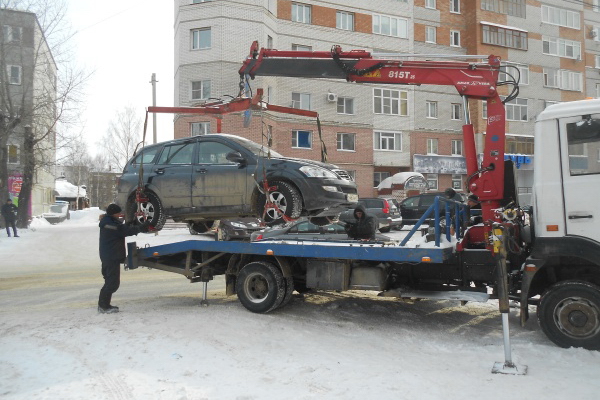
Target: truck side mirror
236 157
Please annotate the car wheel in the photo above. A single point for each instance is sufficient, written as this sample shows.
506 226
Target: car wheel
152 210
385 229
569 314
286 197
200 227
225 235
260 287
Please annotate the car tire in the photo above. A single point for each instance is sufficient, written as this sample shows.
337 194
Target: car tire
385 229
197 228
152 210
260 287
569 314
286 197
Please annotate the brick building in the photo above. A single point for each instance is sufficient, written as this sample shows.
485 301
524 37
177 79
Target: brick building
377 130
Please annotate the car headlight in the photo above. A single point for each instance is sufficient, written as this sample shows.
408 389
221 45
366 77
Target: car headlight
317 172
237 225
331 188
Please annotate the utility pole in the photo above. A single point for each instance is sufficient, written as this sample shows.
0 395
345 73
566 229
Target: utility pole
153 82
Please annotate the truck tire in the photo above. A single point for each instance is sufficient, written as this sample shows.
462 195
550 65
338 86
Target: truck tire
260 287
286 197
569 314
289 290
152 209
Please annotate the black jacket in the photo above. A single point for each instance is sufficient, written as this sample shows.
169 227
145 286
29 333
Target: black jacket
112 238
9 212
365 227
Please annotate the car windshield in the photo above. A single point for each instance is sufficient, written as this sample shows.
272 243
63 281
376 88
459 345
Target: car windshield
255 148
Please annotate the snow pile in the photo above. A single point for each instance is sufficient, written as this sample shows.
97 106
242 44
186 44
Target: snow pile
85 217
67 189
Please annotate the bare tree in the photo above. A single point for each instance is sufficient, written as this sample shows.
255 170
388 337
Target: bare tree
123 136
44 97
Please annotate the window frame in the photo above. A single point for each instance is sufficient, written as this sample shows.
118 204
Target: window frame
389 136
432 181
301 13
344 20
558 12
302 97
430 31
432 146
431 109
381 175
454 38
456 147
504 37
10 76
345 103
523 72
296 139
401 26
453 111
431 4
400 102
203 88
196 44
205 127
457 182
17 154
561 45
455 6
513 106
340 141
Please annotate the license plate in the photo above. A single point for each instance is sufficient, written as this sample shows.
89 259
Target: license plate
353 198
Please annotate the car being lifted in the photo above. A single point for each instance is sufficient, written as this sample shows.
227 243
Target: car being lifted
205 178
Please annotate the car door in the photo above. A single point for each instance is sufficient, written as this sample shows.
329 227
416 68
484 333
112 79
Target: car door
580 153
219 186
172 176
409 208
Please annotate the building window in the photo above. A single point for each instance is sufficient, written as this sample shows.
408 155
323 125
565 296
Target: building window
515 8
563 79
455 6
390 26
519 145
516 110
561 47
200 90
301 13
12 34
432 181
345 105
457 147
430 34
432 146
346 141
505 37
378 177
432 109
561 17
518 72
352 174
387 141
269 42
13 154
391 102
302 139
456 182
344 20
201 39
455 38
14 74
455 109
430 4
199 128
301 47
301 100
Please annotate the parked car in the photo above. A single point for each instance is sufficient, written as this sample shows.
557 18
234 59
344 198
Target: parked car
238 228
303 229
412 208
59 212
384 209
204 178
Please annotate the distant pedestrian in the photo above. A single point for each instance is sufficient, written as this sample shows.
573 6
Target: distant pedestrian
9 212
365 227
474 209
112 254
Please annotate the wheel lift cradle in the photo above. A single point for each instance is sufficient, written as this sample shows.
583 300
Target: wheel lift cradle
194 259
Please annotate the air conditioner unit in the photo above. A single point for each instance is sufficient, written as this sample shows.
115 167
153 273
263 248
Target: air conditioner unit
593 33
331 97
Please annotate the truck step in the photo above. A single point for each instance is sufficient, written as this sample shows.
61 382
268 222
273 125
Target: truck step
439 295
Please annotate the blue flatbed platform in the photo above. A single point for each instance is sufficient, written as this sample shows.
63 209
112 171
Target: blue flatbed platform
348 250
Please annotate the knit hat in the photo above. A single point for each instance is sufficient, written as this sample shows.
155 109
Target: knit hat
113 209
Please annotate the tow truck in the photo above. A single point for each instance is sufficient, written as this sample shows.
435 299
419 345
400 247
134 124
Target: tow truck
547 255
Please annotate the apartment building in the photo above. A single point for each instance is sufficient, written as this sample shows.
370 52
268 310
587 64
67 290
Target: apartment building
372 130
27 90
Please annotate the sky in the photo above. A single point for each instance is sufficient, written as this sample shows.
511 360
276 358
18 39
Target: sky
123 42
324 345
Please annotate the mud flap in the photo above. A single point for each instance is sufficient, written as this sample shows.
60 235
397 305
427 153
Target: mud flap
131 262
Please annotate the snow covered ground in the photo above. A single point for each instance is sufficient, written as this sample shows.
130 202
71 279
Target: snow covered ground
328 345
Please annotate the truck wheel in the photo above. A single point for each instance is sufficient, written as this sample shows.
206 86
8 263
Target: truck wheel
289 290
196 228
286 197
260 287
152 210
569 314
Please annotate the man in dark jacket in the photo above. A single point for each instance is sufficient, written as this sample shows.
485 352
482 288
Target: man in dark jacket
9 212
365 227
112 254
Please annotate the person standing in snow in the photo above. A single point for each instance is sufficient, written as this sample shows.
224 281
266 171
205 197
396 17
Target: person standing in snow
112 254
9 212
365 227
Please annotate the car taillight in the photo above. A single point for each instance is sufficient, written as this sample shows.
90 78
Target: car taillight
386 207
259 237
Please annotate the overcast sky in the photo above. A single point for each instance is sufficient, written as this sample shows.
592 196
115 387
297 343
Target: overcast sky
124 42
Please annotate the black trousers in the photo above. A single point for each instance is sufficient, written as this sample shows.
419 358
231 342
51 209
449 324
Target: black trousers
8 225
111 271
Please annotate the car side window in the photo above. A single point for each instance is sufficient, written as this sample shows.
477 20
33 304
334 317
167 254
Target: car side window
180 153
427 200
411 202
214 153
146 156
305 227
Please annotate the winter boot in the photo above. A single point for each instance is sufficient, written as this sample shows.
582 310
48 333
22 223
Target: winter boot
109 310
